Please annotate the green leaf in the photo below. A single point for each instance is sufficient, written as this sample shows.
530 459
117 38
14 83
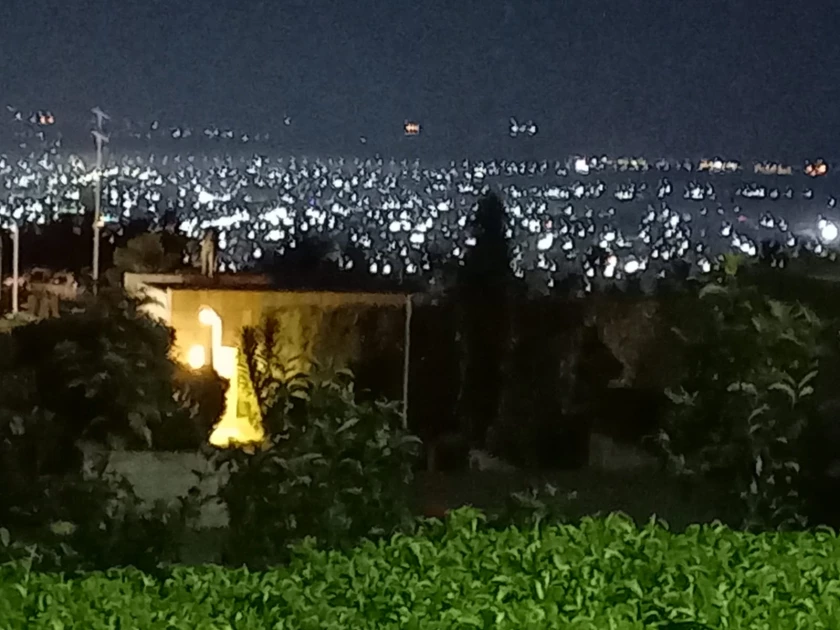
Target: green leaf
711 289
785 388
348 425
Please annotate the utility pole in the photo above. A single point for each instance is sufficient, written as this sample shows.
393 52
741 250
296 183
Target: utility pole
1 272
15 267
101 139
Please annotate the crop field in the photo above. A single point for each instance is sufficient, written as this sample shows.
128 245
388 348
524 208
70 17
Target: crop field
605 573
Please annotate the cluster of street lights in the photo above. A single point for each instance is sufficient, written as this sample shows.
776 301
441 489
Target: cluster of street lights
827 231
12 227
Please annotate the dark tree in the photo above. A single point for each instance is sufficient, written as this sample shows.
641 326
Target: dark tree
483 297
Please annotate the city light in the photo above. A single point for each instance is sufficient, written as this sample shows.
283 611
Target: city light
816 169
828 231
631 266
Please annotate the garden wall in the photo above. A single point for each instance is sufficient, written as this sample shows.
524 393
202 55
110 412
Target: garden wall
168 476
640 494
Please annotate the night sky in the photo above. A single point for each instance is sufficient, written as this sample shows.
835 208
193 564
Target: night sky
747 78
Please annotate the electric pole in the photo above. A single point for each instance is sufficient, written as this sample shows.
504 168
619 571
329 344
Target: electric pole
15 267
101 139
1 272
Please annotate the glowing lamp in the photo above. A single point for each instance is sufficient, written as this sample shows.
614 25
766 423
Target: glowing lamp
631 266
197 357
208 317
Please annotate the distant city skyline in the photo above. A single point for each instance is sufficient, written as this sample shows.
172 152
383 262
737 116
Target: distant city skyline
653 77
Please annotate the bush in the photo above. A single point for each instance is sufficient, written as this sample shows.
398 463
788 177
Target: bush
331 467
602 573
199 402
96 522
103 372
99 374
747 399
538 505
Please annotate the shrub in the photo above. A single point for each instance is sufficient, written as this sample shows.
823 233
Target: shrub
747 399
538 504
146 253
331 467
198 404
103 372
91 376
76 523
602 573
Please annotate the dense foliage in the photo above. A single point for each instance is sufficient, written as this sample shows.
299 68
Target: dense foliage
98 377
600 574
747 398
331 467
101 371
92 522
104 372
199 402
146 253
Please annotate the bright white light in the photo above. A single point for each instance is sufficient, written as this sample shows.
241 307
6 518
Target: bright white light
208 317
196 357
545 242
828 231
582 166
631 266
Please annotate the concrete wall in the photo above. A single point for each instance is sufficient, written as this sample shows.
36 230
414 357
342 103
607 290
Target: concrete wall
240 308
639 493
169 476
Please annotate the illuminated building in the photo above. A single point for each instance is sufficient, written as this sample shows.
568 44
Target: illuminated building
208 316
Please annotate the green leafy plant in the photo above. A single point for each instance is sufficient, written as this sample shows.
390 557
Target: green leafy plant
746 399
331 467
341 471
461 573
198 402
104 371
90 522
99 374
538 504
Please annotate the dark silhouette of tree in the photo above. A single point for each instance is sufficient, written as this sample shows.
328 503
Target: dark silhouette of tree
65 243
146 254
298 267
482 294
313 264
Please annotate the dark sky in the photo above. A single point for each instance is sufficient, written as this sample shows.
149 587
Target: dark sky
741 77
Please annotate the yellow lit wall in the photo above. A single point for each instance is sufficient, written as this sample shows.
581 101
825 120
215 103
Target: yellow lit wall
238 309
301 314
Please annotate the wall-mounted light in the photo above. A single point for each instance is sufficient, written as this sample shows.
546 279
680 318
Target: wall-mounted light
208 317
197 357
